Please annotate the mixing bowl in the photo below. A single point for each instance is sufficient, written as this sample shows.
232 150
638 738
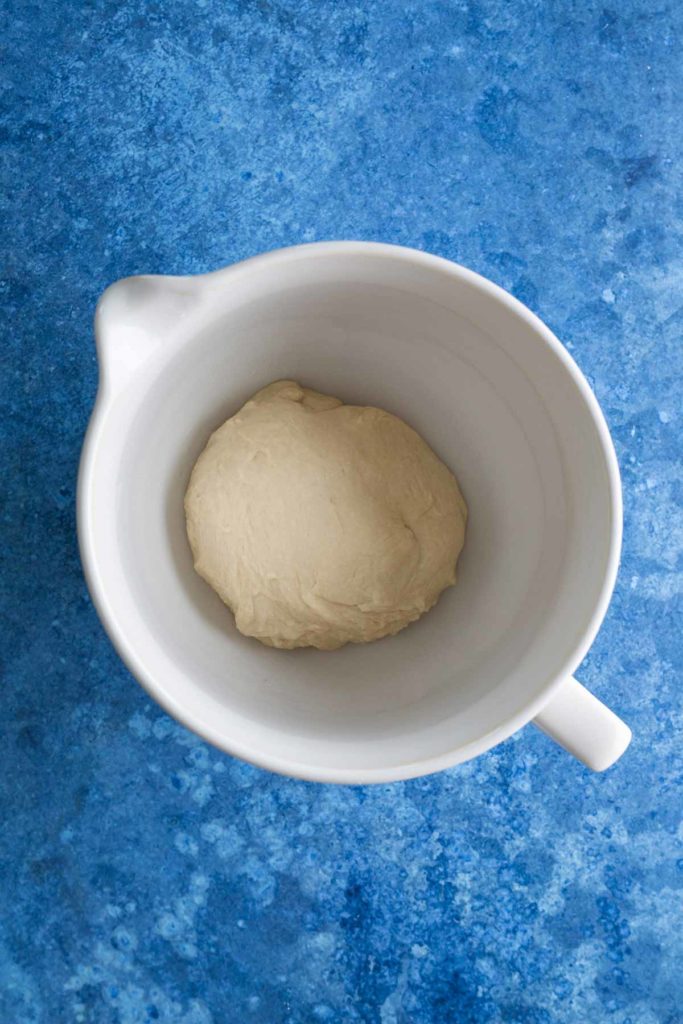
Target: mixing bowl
499 400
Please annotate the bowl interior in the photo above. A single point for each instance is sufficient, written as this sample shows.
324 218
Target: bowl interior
480 384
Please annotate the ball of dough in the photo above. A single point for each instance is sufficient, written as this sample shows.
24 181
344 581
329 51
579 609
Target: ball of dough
321 524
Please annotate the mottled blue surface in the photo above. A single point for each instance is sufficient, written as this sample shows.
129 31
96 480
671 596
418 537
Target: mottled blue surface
145 877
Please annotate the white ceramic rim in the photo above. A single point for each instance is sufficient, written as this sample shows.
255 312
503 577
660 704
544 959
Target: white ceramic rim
395 772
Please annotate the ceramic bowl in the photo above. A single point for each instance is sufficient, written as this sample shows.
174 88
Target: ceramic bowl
490 389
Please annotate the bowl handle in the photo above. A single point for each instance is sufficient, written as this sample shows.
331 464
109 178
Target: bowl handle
133 319
584 726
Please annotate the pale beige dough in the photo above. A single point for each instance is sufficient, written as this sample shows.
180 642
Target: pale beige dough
321 524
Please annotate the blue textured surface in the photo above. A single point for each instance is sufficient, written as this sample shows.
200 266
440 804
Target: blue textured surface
146 877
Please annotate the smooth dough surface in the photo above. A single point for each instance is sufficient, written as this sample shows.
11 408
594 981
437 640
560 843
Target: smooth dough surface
321 524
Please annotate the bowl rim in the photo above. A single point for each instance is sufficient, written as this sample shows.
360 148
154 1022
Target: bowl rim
396 771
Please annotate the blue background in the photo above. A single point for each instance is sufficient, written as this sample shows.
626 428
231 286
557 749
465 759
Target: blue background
146 877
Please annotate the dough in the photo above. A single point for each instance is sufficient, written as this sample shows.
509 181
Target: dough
321 524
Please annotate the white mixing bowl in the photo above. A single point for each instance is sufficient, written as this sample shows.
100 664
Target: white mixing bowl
490 389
